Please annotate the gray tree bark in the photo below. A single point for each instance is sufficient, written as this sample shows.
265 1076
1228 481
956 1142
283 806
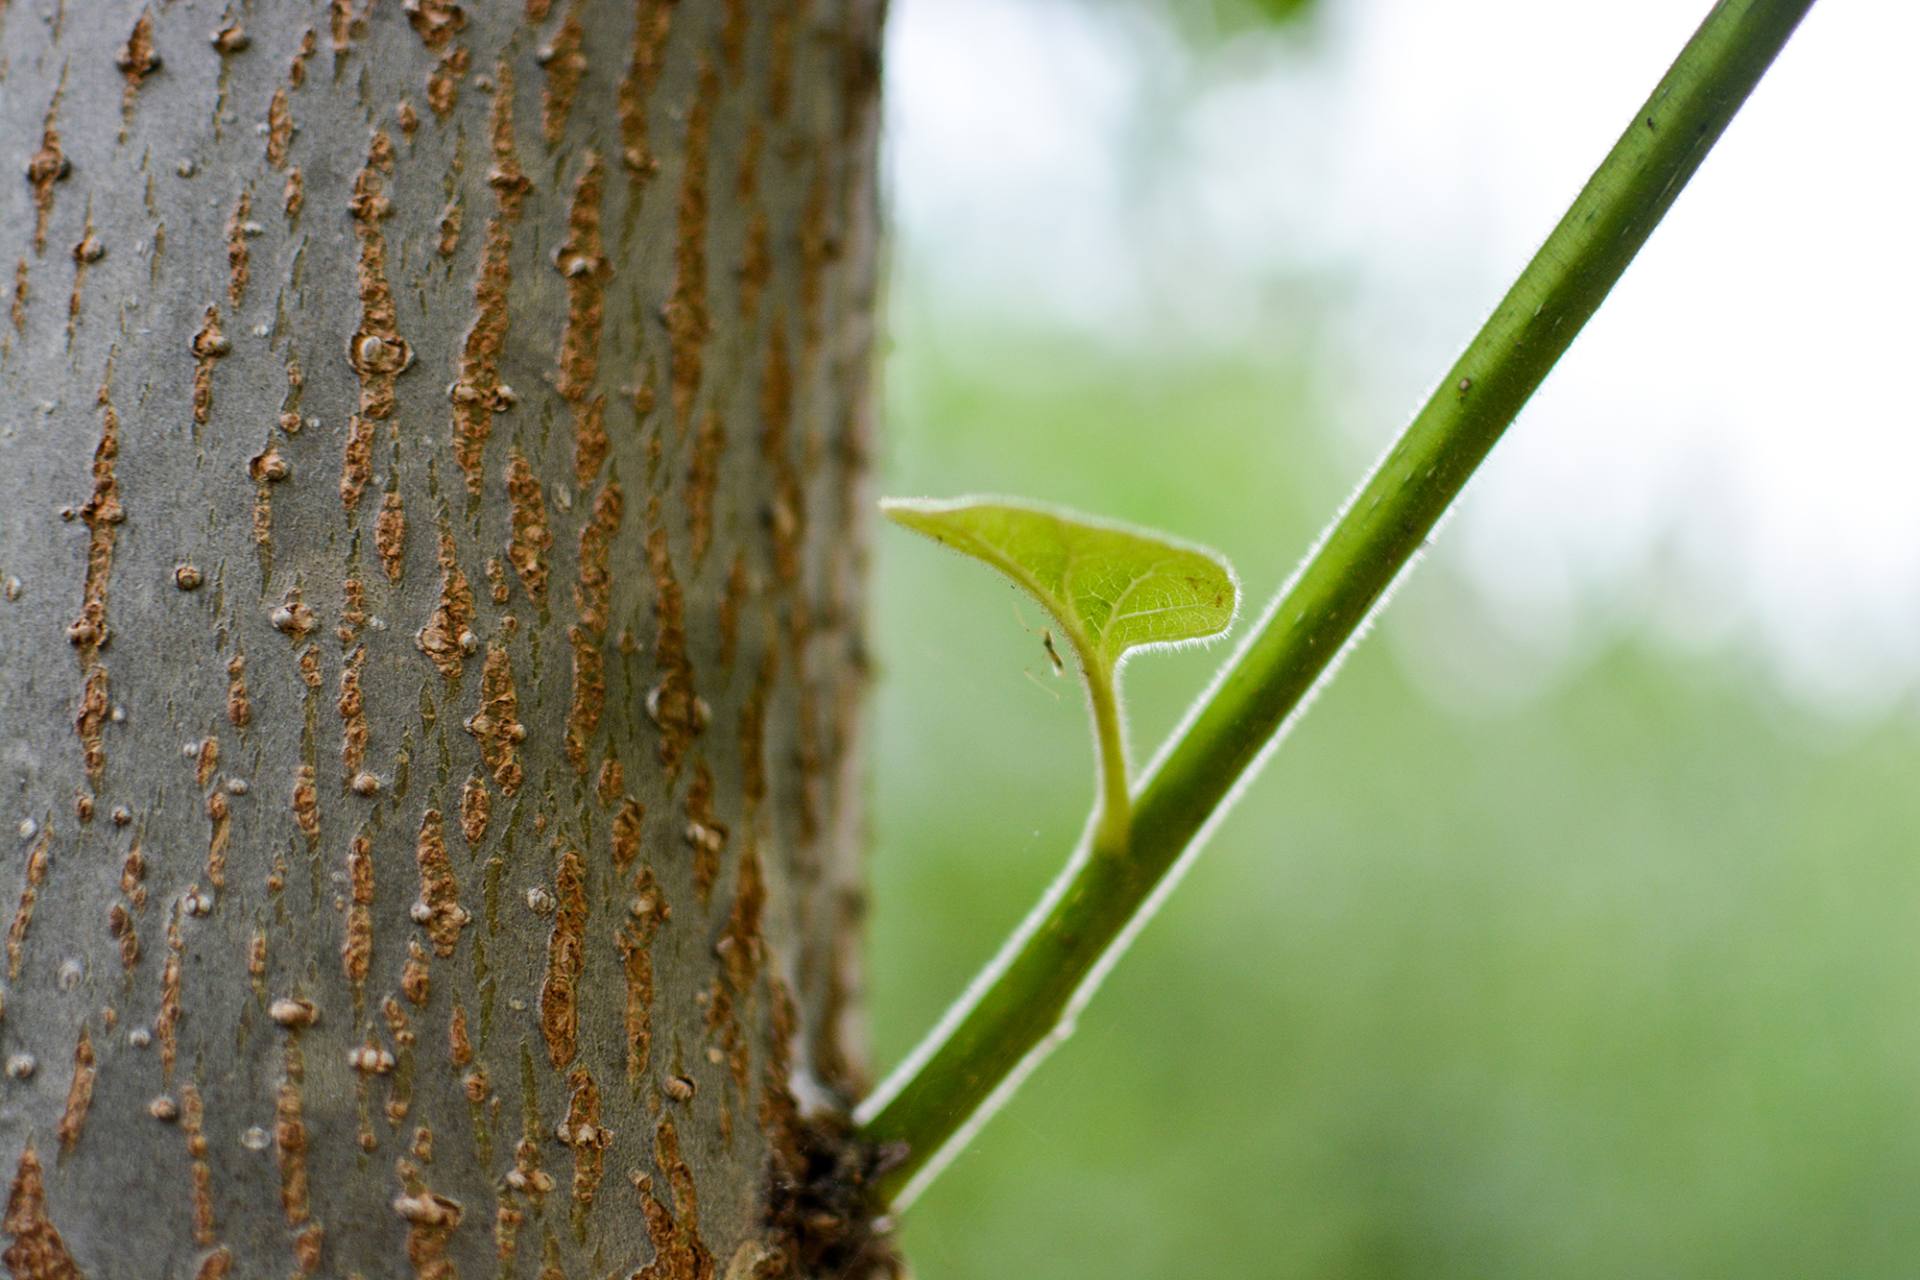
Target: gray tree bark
431 456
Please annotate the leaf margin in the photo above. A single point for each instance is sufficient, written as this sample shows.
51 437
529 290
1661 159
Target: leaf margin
892 507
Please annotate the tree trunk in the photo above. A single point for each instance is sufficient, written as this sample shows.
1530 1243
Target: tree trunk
431 455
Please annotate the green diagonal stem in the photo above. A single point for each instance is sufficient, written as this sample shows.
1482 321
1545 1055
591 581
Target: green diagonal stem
1025 1001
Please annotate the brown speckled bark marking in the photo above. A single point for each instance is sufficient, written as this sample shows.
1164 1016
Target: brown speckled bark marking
290 1137
378 353
753 731
742 948
565 61
733 37
730 605
416 977
400 1088
438 22
219 837
17 310
29 896
497 723
559 996
88 251
509 184
240 225
133 874
688 323
593 596
443 917
103 514
651 21
741 952
624 840
352 705
453 217
353 609
530 1181
789 520
307 1246
46 167
532 538
589 696
356 953
193 1124
678 1252
446 637
306 804
37 1251
647 911
582 262
257 945
136 61
206 760
279 128
779 1112
209 345
344 27
166 1024
477 393
239 704
430 1220
390 535
582 1132
290 420
673 705
459 1044
443 86
476 807
756 261
705 834
416 984
703 474
611 781
120 926
79 1093
297 68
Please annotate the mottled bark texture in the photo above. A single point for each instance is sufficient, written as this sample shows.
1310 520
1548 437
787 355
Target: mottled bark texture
431 443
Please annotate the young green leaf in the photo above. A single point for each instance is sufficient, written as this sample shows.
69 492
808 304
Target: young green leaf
1109 588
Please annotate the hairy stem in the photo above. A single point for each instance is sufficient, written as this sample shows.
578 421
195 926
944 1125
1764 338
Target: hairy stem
1114 819
1023 1003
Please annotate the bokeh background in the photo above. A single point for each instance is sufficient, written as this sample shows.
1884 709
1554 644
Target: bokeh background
1576 932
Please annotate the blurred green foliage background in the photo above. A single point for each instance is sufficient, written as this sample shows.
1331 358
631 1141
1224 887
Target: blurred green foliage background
1585 956
1618 979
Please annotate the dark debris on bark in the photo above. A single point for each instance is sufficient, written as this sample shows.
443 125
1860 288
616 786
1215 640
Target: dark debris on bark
826 1211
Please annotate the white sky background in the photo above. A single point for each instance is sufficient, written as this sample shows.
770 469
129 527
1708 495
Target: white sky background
1731 450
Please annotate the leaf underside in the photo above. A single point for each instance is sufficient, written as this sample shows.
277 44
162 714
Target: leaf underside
1111 589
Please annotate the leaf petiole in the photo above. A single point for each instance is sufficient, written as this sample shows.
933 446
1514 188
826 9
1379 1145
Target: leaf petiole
1115 819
